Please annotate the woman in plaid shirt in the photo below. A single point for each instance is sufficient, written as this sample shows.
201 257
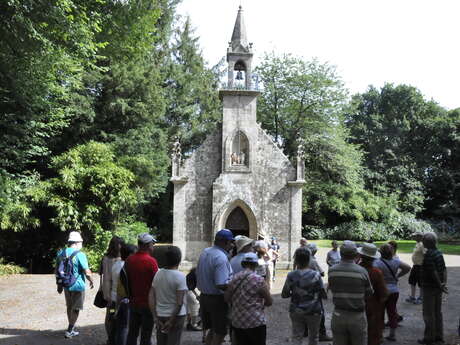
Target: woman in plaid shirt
248 295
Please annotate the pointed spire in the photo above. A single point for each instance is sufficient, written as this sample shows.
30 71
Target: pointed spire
239 38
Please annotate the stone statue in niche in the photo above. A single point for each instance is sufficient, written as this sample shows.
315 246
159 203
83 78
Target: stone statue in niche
234 158
301 160
176 157
238 158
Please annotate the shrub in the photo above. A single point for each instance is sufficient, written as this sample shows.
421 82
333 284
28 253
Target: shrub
8 268
313 232
398 227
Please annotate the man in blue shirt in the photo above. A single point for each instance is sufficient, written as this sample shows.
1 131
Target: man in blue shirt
213 275
75 294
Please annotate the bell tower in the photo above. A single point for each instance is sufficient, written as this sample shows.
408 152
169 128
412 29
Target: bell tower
239 98
239 56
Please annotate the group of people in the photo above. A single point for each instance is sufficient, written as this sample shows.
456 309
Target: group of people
235 290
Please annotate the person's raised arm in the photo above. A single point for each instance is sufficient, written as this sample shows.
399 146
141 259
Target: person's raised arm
404 269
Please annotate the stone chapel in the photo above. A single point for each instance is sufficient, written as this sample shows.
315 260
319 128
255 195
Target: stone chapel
238 178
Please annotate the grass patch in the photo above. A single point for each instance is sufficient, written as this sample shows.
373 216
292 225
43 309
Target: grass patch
8 269
403 246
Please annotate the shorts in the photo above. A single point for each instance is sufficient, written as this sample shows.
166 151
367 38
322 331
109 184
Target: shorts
414 276
214 313
193 305
74 299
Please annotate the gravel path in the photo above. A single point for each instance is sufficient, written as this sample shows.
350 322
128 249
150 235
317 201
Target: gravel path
32 313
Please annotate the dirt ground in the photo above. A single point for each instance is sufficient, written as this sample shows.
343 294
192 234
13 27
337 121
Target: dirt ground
32 313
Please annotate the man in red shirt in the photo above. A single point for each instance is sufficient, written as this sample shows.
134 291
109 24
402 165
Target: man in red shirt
141 268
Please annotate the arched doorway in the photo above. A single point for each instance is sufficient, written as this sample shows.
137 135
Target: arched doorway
237 222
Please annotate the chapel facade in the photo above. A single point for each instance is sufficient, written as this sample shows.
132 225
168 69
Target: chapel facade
238 178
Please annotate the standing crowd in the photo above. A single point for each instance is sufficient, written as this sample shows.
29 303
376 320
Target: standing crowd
234 291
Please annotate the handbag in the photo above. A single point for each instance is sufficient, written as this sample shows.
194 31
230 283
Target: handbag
99 300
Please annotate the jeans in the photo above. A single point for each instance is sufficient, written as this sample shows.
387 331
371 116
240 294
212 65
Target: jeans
298 326
120 331
432 314
140 318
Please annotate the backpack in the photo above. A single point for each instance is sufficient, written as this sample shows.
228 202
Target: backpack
65 276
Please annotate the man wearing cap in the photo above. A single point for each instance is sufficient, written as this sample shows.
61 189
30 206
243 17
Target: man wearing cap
141 268
214 272
243 245
414 275
75 294
375 304
350 285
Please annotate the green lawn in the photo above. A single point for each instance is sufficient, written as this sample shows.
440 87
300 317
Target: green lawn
403 246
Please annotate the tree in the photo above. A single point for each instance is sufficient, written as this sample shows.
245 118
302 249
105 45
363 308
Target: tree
400 133
304 101
45 48
192 104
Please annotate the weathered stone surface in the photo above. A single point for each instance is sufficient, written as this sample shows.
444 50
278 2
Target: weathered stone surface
238 166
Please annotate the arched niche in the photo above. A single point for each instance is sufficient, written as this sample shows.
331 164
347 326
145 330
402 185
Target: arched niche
240 150
240 216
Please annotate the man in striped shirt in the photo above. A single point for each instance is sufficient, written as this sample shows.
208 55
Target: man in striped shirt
350 284
433 282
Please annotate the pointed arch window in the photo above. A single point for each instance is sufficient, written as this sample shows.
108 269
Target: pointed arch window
240 150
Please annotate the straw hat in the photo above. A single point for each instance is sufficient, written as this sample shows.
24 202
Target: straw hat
369 250
242 242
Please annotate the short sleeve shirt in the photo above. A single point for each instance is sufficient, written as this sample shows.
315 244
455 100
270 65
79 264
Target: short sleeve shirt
247 304
433 261
166 284
389 274
235 262
213 269
304 286
80 265
141 268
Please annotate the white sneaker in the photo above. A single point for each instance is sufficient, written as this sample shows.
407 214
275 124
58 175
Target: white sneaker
71 334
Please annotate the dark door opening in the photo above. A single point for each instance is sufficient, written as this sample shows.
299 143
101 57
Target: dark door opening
237 222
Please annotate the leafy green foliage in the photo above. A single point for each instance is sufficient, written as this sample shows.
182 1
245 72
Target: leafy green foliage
397 227
193 107
8 268
305 101
44 50
91 192
402 136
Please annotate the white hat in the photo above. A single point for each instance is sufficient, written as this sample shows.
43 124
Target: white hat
75 236
242 242
370 250
260 244
250 257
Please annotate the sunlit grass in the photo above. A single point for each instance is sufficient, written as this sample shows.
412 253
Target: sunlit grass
404 246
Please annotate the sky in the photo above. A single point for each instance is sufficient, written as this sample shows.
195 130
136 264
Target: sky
371 42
